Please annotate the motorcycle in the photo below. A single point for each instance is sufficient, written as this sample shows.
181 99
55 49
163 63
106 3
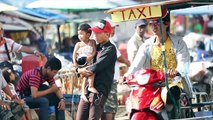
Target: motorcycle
146 100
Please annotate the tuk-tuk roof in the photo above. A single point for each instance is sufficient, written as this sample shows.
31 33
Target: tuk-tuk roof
164 3
151 10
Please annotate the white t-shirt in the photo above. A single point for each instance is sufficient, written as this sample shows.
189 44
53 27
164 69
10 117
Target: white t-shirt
12 47
117 73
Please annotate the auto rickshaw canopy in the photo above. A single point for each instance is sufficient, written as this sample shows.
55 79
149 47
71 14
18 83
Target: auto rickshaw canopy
151 10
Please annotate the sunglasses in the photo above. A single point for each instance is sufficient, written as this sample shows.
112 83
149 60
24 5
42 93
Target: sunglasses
154 22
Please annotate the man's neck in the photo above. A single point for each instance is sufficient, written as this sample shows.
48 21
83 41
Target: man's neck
104 42
1 38
43 72
158 40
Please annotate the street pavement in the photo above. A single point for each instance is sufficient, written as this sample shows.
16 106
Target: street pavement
121 113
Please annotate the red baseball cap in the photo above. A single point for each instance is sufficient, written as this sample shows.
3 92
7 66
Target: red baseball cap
102 26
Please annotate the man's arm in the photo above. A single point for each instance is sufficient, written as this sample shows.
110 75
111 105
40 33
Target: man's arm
90 57
138 62
14 98
35 93
121 59
103 61
183 58
8 91
74 56
61 104
59 94
30 51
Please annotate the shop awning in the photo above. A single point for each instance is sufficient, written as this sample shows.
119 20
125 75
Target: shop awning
5 7
51 17
14 24
80 5
25 16
200 10
40 16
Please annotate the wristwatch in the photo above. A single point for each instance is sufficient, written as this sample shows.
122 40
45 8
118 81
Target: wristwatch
35 51
62 99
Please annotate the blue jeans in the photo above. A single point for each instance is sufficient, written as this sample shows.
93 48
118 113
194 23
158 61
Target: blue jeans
43 103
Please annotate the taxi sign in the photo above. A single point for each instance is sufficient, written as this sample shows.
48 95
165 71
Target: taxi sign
137 13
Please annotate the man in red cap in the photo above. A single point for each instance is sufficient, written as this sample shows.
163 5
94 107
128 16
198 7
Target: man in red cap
104 72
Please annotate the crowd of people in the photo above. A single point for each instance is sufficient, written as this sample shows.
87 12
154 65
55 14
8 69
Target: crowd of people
97 65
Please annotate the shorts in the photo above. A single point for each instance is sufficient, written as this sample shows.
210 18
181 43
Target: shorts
16 111
5 114
111 104
25 107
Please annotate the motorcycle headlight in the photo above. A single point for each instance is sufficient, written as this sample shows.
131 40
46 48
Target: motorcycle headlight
142 79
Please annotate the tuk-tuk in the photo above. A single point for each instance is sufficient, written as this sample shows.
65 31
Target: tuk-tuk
153 11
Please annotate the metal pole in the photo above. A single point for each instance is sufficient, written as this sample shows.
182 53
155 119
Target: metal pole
165 67
59 37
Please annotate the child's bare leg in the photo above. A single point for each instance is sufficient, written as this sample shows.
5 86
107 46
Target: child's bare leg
24 117
91 84
82 89
28 115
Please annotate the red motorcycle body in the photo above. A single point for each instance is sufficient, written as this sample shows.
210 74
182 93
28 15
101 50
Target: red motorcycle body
145 98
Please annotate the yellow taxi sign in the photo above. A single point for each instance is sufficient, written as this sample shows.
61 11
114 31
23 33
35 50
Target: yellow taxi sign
136 13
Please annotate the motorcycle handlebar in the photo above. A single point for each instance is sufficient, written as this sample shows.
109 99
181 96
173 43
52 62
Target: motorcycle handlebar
162 84
159 84
156 84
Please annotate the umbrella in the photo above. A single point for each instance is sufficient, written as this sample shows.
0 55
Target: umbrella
5 7
79 5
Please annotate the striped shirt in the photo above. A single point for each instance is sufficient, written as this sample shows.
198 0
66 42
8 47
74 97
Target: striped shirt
32 78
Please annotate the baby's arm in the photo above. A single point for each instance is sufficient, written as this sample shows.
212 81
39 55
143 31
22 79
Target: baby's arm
93 44
74 56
